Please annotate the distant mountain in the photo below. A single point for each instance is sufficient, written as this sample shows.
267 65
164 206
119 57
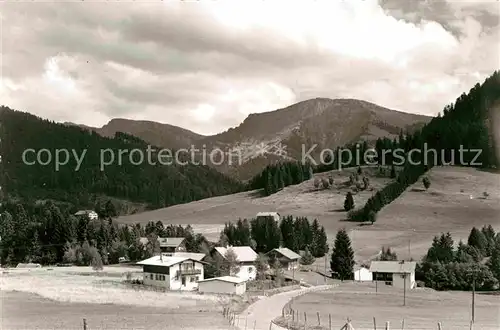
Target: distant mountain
281 134
153 184
158 134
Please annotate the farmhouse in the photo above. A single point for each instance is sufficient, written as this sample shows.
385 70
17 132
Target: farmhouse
363 274
224 284
246 257
168 244
274 215
287 258
92 215
395 273
174 272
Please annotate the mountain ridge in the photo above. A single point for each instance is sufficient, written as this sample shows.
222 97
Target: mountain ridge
327 123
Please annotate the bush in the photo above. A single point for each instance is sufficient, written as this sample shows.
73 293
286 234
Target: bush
307 258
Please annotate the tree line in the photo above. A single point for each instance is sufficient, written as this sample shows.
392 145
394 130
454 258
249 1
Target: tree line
264 234
463 124
446 267
48 233
275 177
154 185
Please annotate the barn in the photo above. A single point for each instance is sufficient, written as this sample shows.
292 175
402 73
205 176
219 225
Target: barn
224 284
363 274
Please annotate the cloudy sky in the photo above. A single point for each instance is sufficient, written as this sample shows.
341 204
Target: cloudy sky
206 65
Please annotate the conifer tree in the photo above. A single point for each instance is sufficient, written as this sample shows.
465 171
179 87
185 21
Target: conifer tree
342 260
349 202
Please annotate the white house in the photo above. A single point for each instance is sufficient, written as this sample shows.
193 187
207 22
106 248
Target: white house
274 215
174 272
245 256
363 274
92 215
224 284
396 273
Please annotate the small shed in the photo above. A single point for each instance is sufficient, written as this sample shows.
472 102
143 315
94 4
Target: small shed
224 284
363 274
273 215
399 274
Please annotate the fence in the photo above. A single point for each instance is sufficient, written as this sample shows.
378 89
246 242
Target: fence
296 320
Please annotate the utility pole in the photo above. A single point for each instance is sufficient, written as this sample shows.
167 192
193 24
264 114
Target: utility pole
326 254
404 290
473 295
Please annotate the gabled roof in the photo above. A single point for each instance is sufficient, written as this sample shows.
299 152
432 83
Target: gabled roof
393 266
165 241
84 212
286 252
230 279
191 255
170 241
243 253
166 261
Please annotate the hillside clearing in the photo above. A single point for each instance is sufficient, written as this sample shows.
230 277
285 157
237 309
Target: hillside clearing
407 225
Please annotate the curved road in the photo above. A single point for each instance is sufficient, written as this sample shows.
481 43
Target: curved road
263 311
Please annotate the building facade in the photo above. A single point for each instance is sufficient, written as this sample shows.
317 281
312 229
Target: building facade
246 258
363 275
400 274
287 258
274 215
173 272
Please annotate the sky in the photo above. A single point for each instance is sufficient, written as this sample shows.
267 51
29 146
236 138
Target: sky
206 65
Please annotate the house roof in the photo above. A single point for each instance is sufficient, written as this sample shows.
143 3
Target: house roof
231 279
84 212
268 214
286 252
393 266
170 241
166 261
165 241
243 253
195 256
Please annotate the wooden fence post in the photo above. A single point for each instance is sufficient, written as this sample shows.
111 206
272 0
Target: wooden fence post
254 323
246 321
403 325
319 319
305 320
471 325
439 325
84 324
330 321
387 326
374 323
271 325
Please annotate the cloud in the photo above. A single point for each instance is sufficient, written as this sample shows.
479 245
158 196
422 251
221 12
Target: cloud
206 65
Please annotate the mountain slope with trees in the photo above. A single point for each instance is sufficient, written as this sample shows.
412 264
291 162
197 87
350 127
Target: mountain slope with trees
156 185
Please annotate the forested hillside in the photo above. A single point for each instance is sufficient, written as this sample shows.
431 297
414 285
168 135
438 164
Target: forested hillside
154 184
468 124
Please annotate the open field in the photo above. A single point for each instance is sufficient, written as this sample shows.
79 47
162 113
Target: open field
424 308
61 297
407 225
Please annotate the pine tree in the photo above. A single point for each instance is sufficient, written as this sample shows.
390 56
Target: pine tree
349 202
307 258
494 262
288 233
426 182
342 261
478 240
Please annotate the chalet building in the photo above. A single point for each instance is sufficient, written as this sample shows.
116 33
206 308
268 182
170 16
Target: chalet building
92 215
396 273
246 258
287 258
273 215
168 244
175 271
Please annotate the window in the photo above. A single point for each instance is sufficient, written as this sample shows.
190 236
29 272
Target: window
151 276
183 281
156 277
250 269
191 279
